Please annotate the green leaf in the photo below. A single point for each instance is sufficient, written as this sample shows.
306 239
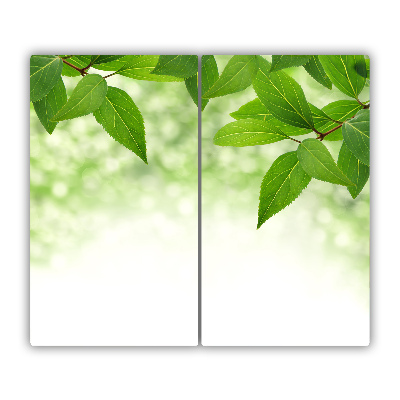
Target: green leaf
367 63
44 74
365 73
77 61
319 116
87 97
316 71
93 59
281 62
253 109
138 67
49 105
104 59
344 72
115 65
180 66
354 169
282 96
236 76
356 135
340 110
192 87
256 110
209 75
121 118
282 184
69 71
316 160
248 132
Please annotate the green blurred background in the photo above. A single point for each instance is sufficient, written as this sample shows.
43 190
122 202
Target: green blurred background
81 179
323 226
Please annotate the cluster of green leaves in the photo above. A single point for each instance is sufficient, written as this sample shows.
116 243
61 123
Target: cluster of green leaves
281 111
112 107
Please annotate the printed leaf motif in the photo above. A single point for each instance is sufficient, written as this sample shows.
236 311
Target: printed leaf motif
121 118
182 66
87 97
354 169
344 72
367 63
192 87
356 135
316 160
281 62
316 71
117 64
253 109
209 74
49 105
44 74
340 111
256 110
138 67
282 184
93 59
319 116
78 61
282 96
236 76
104 59
248 132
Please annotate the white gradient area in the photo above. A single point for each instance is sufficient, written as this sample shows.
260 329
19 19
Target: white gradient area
274 287
133 284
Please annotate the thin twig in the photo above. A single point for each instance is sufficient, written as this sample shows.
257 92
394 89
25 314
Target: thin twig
321 136
298 141
110 75
81 70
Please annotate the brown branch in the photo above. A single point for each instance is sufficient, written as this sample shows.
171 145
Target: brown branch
110 75
321 136
298 141
360 102
90 64
80 70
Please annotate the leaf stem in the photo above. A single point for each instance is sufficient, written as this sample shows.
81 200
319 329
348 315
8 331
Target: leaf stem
363 104
321 136
81 70
298 141
359 102
91 63
88 66
110 75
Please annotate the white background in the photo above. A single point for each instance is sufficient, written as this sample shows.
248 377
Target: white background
199 373
122 288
